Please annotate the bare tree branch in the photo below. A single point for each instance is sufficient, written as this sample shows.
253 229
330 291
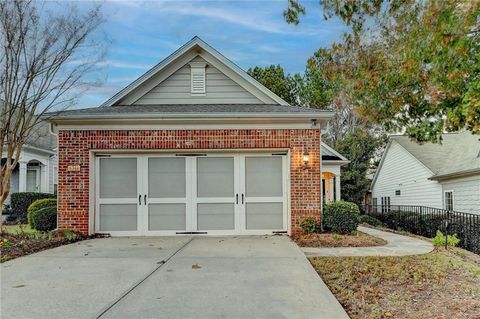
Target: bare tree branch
39 68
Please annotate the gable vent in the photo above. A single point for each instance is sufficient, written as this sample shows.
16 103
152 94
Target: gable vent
197 70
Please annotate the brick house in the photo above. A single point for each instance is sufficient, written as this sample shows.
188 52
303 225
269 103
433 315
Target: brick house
195 145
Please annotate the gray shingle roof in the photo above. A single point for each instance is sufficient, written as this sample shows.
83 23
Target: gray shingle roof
459 152
169 109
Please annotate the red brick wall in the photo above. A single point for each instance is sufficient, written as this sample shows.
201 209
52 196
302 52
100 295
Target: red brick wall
74 147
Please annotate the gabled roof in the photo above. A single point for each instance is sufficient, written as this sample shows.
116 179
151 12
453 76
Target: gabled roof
329 154
194 44
457 155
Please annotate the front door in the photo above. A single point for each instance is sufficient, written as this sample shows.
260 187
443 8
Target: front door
206 194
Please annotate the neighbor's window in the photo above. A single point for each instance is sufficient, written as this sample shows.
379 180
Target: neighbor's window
449 200
397 192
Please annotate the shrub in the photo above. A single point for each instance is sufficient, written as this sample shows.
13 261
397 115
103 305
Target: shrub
370 220
39 204
309 225
19 203
44 219
341 217
439 240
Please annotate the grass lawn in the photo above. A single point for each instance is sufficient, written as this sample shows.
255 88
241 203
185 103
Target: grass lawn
356 239
18 229
441 284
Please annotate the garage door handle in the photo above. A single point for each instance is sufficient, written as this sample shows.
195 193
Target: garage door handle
145 199
140 199
236 196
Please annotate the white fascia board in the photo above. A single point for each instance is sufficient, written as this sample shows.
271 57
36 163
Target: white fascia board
187 116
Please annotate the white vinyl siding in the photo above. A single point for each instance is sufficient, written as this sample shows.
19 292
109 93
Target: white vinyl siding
177 89
52 172
466 192
401 171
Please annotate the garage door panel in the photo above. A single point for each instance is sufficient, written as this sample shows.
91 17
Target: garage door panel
264 216
118 217
118 178
217 216
166 217
166 177
263 176
215 177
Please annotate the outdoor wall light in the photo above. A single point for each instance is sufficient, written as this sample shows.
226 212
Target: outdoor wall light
306 158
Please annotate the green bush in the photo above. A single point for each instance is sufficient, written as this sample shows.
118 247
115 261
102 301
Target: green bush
309 225
341 217
19 203
370 220
39 204
439 240
44 219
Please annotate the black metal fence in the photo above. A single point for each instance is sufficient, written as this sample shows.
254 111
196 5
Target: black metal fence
425 221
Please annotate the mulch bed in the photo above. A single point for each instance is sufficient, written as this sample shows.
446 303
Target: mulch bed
15 245
356 239
441 284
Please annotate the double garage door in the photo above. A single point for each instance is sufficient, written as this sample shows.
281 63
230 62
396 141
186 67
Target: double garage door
192 193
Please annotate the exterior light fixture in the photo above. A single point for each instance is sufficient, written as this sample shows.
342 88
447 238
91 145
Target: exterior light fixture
306 158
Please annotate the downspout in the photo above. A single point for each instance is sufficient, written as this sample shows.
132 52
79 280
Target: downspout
314 125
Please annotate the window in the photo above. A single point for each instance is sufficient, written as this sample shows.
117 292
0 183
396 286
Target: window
397 192
375 202
449 200
197 70
386 204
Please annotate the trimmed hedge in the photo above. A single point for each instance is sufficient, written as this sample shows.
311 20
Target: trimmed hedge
341 217
39 204
370 220
19 203
44 219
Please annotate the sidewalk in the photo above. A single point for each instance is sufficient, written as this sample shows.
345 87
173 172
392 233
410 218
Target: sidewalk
398 245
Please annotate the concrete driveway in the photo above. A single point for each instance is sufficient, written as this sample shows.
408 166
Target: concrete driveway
167 277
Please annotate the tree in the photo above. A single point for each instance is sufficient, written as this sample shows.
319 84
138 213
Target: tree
274 78
360 146
414 67
45 58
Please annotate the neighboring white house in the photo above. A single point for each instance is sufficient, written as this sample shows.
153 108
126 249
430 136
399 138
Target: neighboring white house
36 169
443 175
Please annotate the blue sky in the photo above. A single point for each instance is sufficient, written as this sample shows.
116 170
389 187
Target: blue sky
247 32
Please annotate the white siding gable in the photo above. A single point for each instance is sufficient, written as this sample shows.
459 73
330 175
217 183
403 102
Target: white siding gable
219 89
466 193
401 171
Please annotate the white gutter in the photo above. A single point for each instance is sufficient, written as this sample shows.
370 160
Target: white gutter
184 116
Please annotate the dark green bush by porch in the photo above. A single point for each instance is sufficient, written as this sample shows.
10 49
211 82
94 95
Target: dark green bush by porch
341 217
44 219
309 225
20 202
370 220
39 204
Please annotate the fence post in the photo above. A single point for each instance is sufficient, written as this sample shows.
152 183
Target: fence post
447 223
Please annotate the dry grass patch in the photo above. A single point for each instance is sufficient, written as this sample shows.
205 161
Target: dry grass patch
356 239
441 284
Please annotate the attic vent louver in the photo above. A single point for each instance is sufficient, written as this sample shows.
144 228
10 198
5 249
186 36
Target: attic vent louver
197 70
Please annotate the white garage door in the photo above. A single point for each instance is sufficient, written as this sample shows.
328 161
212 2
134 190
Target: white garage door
207 194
